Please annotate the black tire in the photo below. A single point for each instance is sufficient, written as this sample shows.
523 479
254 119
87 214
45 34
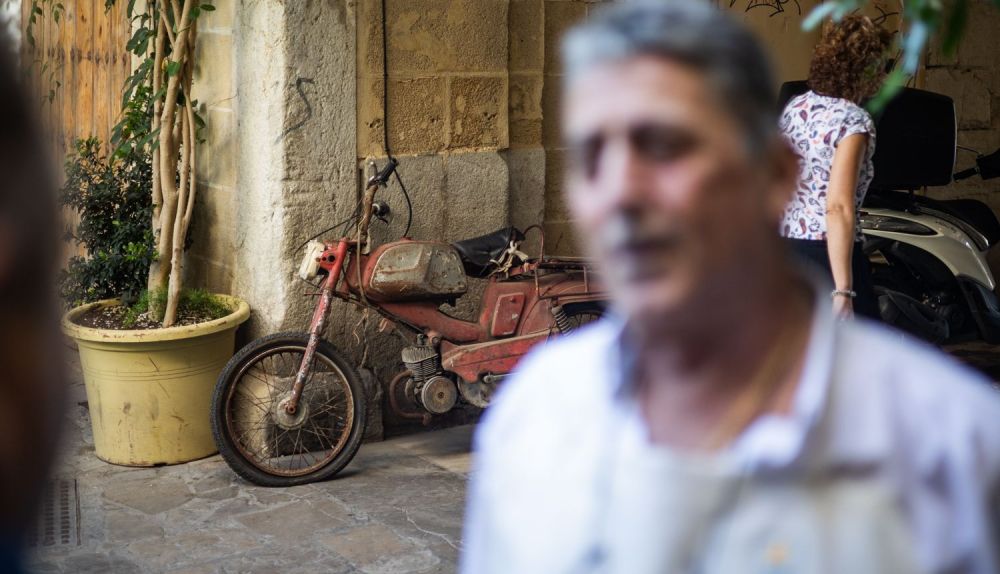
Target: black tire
261 443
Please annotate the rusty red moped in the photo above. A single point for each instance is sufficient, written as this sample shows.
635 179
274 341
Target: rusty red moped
289 408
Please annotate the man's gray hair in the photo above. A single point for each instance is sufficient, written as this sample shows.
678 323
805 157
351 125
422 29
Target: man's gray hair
693 33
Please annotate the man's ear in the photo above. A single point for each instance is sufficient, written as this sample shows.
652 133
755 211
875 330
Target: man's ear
783 174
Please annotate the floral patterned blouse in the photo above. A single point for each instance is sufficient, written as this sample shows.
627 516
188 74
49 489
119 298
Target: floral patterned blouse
814 125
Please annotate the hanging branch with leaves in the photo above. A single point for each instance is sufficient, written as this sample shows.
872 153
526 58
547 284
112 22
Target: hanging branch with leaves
164 37
921 20
42 9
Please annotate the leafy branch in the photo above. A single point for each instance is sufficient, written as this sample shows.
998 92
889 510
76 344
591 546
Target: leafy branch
921 20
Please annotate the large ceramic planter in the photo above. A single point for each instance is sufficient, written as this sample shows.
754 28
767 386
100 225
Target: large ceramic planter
150 391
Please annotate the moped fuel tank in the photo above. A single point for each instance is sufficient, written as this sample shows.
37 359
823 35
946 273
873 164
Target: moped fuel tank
415 270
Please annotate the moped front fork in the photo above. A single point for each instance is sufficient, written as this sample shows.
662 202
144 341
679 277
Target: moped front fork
316 327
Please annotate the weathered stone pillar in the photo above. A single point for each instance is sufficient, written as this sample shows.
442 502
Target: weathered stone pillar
261 270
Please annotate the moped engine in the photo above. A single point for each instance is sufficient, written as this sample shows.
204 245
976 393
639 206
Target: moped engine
430 387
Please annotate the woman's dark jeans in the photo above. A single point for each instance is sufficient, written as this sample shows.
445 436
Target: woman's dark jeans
814 251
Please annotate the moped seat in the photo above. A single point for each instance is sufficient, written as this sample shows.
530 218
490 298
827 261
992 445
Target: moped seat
479 253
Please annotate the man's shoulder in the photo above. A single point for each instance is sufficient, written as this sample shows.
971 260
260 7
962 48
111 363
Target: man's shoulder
564 379
890 352
931 396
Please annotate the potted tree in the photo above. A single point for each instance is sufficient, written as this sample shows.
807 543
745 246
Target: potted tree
150 362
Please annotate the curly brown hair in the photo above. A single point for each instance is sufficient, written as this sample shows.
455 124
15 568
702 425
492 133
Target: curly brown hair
849 59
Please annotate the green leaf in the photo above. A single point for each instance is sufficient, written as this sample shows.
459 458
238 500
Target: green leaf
893 83
173 68
210 8
139 41
956 25
818 14
913 45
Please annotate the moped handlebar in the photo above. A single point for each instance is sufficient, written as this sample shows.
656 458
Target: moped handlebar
377 180
382 177
965 174
987 166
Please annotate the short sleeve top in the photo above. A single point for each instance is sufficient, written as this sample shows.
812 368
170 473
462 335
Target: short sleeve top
814 125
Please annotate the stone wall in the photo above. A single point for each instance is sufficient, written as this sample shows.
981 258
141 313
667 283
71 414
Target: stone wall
212 260
447 111
972 78
558 16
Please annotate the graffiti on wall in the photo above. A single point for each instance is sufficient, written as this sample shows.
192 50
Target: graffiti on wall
775 6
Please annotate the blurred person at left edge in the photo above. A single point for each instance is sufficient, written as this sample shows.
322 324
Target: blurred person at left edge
31 382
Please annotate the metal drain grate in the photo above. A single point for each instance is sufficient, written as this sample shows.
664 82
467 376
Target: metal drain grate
59 522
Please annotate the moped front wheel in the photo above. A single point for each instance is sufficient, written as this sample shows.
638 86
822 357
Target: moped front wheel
262 442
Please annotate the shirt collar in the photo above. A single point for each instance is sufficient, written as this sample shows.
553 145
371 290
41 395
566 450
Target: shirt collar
771 441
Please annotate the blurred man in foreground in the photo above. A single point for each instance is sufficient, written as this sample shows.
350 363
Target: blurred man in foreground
31 388
720 420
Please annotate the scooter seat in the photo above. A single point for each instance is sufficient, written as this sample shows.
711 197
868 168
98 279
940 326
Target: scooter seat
479 253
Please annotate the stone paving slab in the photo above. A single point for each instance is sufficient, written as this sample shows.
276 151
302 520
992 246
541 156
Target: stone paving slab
396 508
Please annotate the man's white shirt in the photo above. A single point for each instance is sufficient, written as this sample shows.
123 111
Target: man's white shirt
889 461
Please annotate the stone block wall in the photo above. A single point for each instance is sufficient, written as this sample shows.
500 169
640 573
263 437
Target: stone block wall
447 112
971 77
211 260
558 17
447 76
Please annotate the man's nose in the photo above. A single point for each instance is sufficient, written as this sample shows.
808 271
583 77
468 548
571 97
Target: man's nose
624 173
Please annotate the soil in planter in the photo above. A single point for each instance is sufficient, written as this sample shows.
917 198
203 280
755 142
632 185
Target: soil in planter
115 318
195 307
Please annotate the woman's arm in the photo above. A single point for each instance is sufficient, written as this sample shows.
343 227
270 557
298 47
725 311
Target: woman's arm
840 214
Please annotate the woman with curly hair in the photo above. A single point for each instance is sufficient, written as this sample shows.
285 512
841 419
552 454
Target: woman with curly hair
835 139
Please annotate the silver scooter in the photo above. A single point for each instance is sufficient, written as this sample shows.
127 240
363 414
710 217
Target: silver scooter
935 263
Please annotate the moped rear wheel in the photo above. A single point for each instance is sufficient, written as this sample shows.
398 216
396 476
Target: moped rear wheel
579 314
263 443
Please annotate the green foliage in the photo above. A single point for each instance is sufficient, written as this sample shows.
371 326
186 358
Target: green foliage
113 198
132 134
194 302
202 303
135 128
145 302
922 19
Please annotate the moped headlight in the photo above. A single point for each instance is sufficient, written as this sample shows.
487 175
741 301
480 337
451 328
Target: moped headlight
309 268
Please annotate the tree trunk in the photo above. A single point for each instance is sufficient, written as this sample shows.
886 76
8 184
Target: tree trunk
176 142
160 266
